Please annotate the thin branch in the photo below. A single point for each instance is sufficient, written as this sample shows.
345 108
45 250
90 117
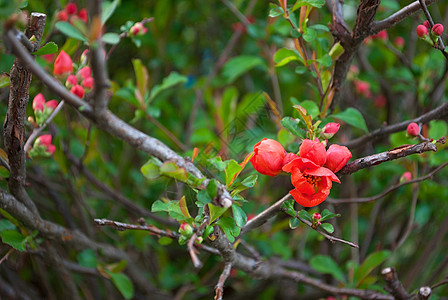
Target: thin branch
5 257
37 131
415 190
387 191
192 241
222 279
376 159
394 286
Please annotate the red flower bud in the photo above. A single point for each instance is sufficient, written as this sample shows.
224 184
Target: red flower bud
317 216
62 16
268 157
380 101
289 157
63 64
82 14
85 72
422 30
363 88
406 177
337 157
88 83
399 42
38 102
185 229
44 139
71 8
330 130
71 81
138 29
413 129
48 57
314 151
382 35
52 104
426 24
437 29
78 91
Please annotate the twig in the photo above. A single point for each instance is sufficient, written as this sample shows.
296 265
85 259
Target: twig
191 242
37 131
387 191
376 159
222 279
415 190
440 283
236 12
394 286
6 255
424 293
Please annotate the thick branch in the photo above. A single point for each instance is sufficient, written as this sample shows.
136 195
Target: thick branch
394 286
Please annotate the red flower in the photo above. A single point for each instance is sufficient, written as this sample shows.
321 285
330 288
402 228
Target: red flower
268 157
437 29
422 30
82 14
63 64
413 129
337 157
312 182
77 90
38 102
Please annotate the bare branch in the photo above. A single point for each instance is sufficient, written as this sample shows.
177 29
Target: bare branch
222 279
394 286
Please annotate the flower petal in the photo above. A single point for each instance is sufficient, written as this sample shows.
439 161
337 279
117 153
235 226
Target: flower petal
323 172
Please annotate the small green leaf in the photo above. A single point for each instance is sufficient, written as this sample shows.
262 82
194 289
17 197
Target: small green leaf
151 169
336 51
371 262
327 265
4 173
284 56
275 10
215 212
218 163
108 10
294 223
314 3
123 284
353 117
311 108
168 82
111 38
204 197
293 126
303 214
231 169
310 35
239 65
69 30
326 215
4 81
87 258
48 48
325 60
142 77
6 225
183 207
14 238
239 215
250 181
227 224
165 241
327 227
288 207
170 169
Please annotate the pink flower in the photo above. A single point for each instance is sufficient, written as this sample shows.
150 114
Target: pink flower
289 157
437 29
52 104
63 64
77 90
138 29
413 129
38 102
44 139
85 72
268 157
337 157
363 88
317 216
422 30
88 83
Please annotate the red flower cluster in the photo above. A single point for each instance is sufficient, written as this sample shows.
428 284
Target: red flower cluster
44 141
42 109
424 29
312 171
69 13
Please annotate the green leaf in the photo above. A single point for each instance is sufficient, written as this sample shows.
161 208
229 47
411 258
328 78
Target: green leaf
111 38
142 77
123 284
168 82
293 126
6 225
4 173
14 238
48 48
108 9
284 56
170 169
230 229
311 108
353 117
165 241
215 212
437 129
239 65
151 169
371 262
314 3
4 81
303 214
218 163
69 30
239 215
336 51
87 258
159 206
294 223
250 181
325 60
275 10
231 169
183 207
204 197
310 35
326 215
327 227
172 208
288 207
327 265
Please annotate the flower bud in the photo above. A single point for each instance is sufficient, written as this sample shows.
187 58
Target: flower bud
71 81
413 129
62 16
363 88
289 157
52 104
185 229
83 58
85 72
317 216
329 130
268 157
199 240
71 8
399 42
337 157
38 102
405 177
437 29
382 36
77 90
82 14
44 139
88 83
63 64
422 31
380 101
138 29
426 24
